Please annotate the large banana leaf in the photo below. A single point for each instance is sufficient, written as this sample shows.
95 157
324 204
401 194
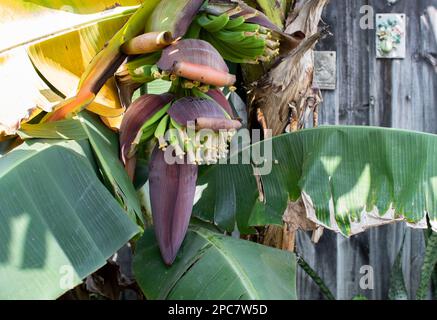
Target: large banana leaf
211 266
105 146
27 21
84 6
58 223
350 178
53 38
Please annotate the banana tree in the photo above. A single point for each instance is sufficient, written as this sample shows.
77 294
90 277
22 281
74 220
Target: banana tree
89 115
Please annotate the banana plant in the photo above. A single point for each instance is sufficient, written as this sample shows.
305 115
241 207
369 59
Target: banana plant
428 268
148 45
349 178
214 266
48 57
59 221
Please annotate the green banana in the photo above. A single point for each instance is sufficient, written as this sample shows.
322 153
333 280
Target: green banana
253 53
147 59
252 43
248 27
231 37
144 74
234 23
157 116
225 50
199 94
160 132
213 23
243 54
175 125
173 138
203 21
148 133
162 126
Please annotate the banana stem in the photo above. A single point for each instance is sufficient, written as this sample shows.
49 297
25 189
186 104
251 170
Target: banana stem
68 107
148 43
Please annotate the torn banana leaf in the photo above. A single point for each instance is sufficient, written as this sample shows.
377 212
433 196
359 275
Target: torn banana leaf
62 60
51 21
350 178
105 63
212 266
237 8
105 146
47 18
58 223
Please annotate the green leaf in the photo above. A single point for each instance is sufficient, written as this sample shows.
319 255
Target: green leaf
315 277
49 47
428 267
158 87
343 174
434 282
227 190
105 145
211 266
46 18
84 6
398 290
58 223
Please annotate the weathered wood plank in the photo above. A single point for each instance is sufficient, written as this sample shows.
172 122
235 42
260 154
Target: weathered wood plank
390 93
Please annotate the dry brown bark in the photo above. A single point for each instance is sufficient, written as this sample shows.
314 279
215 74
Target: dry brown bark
283 99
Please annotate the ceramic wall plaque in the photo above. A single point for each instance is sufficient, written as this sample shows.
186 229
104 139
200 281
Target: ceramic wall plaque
390 36
325 70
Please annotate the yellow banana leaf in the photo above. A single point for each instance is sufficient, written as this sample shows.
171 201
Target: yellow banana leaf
85 6
62 61
59 38
104 63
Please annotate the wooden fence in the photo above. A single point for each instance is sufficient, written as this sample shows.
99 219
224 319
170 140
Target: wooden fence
376 92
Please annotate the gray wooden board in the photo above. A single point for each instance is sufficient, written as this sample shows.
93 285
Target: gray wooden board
380 92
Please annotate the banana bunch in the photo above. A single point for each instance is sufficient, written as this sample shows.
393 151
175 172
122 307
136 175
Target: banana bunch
237 40
139 70
199 148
